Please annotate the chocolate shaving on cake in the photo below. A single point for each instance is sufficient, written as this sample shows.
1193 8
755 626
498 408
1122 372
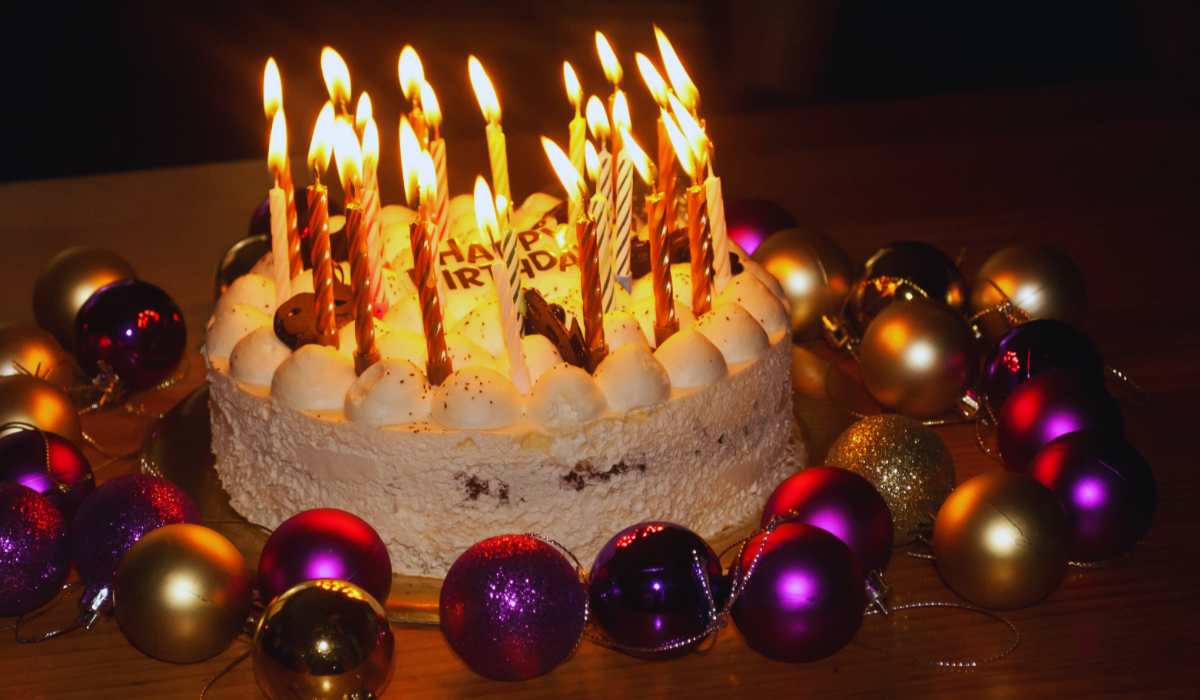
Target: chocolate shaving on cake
540 319
639 254
296 319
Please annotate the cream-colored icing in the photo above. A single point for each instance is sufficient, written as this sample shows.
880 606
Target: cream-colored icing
231 325
390 392
631 378
565 395
540 355
476 398
251 290
734 331
313 378
621 328
751 294
691 360
643 310
256 357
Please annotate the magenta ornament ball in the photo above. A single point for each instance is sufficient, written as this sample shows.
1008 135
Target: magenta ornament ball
805 598
325 543
1034 347
49 464
1106 488
512 607
842 503
35 550
135 329
751 221
1048 405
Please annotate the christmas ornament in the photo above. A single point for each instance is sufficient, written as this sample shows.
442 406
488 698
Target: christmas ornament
842 503
815 274
32 350
1001 541
751 221
112 519
1106 488
1037 278
240 259
34 402
323 640
1051 404
182 594
68 280
902 271
905 461
918 358
1035 347
512 607
35 550
653 584
49 464
325 543
135 329
804 598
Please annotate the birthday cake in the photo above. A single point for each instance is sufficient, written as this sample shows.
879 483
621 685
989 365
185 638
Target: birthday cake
696 432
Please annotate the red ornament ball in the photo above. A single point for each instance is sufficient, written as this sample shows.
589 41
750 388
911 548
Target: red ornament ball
325 543
49 464
1048 405
133 328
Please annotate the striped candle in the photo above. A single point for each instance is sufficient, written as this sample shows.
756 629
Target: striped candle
623 223
441 209
279 245
365 353
599 210
438 366
295 262
322 262
723 272
700 244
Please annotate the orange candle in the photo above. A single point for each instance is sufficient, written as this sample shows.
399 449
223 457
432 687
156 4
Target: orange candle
318 226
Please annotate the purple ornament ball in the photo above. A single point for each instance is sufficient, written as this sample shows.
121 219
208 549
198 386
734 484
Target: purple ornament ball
646 588
49 464
1034 347
751 221
842 503
325 543
1106 488
805 598
1048 405
512 607
134 328
117 514
35 550
260 220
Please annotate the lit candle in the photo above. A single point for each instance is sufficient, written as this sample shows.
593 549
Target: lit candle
412 75
598 124
497 148
622 193
598 209
699 240
418 170
337 79
437 151
702 151
578 127
684 87
666 153
279 213
318 226
665 322
273 105
411 158
508 284
349 162
372 220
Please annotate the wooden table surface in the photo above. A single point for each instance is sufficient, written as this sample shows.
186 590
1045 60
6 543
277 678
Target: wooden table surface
1108 173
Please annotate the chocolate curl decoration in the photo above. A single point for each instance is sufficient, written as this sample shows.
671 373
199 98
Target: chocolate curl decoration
700 240
665 323
365 353
593 302
322 260
438 366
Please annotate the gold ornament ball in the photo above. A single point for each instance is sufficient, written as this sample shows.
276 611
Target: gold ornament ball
26 399
815 274
66 283
32 350
918 357
323 639
1038 278
905 461
239 260
1002 540
182 594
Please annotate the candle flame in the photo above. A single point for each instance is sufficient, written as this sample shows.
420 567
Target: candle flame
566 172
363 112
684 87
597 118
654 81
410 155
337 76
608 60
692 130
322 141
428 176
641 161
412 74
620 111
272 89
574 90
683 149
370 146
484 92
485 211
502 205
593 161
349 156
277 153
429 102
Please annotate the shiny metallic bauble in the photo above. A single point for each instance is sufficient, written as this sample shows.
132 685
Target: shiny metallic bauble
900 271
239 259
815 274
1037 278
1002 541
918 358
323 639
27 399
68 280
33 350
182 594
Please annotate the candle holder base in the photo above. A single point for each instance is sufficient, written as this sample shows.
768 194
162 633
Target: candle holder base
364 362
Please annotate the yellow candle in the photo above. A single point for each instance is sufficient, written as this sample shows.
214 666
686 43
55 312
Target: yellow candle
490 105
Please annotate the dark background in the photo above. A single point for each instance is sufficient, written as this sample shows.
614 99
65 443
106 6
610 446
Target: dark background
127 85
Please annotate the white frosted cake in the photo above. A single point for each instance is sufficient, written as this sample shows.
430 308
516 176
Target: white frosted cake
697 432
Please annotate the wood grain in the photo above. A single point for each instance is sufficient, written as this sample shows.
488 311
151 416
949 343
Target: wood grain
1110 174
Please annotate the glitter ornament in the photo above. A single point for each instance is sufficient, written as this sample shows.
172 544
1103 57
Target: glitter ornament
49 464
512 607
905 461
135 329
646 588
35 550
325 543
1032 348
1049 405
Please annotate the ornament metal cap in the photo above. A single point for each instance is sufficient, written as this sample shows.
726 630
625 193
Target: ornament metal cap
94 603
878 591
839 334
